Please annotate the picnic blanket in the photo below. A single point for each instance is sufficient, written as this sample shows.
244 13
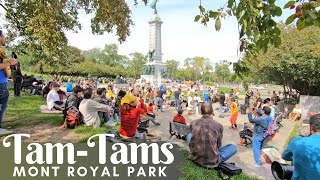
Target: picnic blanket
44 109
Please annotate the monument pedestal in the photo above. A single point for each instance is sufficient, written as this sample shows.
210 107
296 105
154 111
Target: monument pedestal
154 73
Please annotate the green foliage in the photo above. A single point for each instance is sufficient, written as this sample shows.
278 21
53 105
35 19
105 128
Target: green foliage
89 131
135 64
295 63
197 68
172 67
222 71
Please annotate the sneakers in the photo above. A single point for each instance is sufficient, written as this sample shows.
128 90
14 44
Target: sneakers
4 132
255 165
110 123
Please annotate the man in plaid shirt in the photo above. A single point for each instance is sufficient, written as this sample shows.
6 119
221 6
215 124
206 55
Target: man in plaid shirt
205 140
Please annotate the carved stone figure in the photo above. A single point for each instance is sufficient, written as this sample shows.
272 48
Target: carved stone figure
151 55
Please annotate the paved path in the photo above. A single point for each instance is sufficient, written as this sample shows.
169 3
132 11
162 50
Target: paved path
244 156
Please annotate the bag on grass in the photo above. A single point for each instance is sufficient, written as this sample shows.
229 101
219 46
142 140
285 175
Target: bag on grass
116 139
72 118
228 169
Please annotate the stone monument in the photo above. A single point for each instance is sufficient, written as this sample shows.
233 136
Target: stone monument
154 71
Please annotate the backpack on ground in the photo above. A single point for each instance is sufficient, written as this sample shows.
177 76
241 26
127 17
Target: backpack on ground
72 118
228 169
172 103
243 109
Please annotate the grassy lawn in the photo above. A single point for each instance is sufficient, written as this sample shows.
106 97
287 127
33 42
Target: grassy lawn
89 131
24 111
191 171
294 133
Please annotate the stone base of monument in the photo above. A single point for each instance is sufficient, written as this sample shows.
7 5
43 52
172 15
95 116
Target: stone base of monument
154 73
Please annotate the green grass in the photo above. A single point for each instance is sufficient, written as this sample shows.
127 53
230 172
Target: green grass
25 111
227 90
89 131
191 171
294 133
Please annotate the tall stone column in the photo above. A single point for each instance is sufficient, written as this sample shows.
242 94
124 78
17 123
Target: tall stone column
155 37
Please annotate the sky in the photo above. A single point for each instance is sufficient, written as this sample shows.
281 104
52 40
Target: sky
181 36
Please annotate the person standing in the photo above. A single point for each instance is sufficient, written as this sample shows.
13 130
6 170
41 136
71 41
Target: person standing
221 100
160 99
177 97
261 125
4 91
234 114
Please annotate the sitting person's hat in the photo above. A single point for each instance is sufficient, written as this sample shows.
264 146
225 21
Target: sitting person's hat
128 99
55 85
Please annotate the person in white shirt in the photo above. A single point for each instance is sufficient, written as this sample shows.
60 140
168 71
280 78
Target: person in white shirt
196 100
189 100
90 108
296 113
53 100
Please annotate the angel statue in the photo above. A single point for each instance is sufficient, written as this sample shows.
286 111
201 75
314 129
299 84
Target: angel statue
153 5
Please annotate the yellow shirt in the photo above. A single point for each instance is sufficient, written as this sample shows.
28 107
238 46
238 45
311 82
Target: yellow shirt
234 109
109 95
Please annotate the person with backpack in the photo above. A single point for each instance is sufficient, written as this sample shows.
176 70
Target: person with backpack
261 125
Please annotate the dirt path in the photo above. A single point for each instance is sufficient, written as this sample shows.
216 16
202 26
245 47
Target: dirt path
48 133
244 156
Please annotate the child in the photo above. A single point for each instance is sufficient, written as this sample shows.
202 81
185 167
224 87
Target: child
234 114
151 114
179 118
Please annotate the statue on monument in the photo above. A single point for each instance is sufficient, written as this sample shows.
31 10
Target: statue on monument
153 5
151 55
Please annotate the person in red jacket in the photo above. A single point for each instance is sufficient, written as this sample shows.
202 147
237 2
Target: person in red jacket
179 118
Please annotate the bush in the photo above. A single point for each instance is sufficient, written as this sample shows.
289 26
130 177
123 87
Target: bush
209 83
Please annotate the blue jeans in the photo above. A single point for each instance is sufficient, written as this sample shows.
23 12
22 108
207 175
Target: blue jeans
226 152
4 96
159 102
257 145
221 109
177 103
116 117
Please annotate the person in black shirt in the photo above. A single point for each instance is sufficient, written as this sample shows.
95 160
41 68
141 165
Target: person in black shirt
247 99
258 103
160 99
222 99
17 79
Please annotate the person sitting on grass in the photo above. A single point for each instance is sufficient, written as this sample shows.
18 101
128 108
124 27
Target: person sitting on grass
130 115
90 108
179 118
69 86
53 100
205 140
296 113
105 115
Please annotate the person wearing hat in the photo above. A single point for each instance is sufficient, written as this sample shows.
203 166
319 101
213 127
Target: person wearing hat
53 100
179 118
130 115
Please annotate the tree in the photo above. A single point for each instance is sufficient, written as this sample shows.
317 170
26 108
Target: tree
222 71
135 64
41 25
172 67
294 64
